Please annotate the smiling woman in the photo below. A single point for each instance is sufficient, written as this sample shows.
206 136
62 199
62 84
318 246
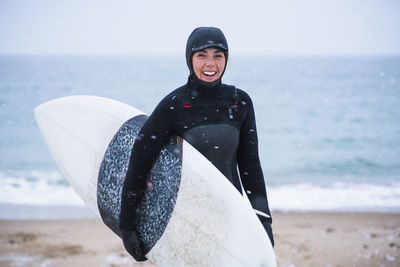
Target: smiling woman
215 118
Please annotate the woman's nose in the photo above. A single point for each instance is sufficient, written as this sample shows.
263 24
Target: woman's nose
210 62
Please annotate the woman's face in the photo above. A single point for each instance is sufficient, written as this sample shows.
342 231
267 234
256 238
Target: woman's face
208 64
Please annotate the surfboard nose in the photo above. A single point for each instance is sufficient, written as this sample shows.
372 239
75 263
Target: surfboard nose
77 131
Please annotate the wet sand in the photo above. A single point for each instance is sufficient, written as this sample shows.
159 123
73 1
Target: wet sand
301 239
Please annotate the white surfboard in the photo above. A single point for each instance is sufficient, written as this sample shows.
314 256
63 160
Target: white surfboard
210 223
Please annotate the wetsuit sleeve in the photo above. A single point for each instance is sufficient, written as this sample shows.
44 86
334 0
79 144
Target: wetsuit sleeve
147 146
250 169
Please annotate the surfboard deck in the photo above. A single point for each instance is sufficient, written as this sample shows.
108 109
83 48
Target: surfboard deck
192 216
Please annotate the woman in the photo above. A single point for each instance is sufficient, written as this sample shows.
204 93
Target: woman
217 119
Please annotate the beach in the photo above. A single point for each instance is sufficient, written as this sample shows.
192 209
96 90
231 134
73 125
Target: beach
301 239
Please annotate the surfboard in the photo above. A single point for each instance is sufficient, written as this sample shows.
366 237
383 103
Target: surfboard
191 214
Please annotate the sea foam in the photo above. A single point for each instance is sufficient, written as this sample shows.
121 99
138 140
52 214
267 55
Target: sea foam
336 197
50 189
37 188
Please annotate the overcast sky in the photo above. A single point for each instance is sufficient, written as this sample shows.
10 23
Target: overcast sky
162 27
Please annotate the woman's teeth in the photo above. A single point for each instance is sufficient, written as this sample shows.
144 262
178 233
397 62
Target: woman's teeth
209 73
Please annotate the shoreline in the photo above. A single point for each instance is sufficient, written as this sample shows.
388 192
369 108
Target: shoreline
44 212
301 239
12 211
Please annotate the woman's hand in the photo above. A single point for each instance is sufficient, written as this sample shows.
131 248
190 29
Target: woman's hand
127 220
133 244
267 226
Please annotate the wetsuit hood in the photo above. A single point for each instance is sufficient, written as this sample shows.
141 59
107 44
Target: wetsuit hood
202 38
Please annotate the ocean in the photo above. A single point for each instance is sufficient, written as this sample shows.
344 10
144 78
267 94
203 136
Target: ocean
328 127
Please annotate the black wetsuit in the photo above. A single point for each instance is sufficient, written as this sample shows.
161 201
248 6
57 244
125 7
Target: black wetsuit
218 120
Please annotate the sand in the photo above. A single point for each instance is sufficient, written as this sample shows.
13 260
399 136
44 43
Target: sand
302 239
